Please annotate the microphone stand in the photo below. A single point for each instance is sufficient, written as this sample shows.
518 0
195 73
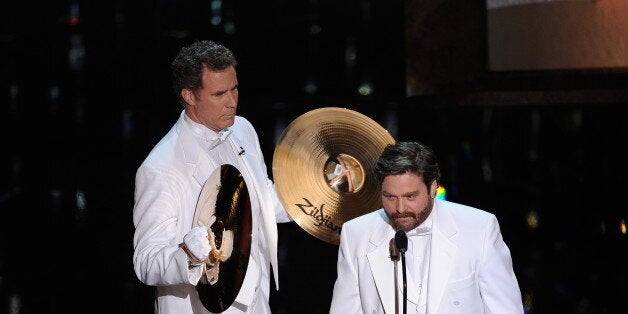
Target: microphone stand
405 282
394 256
401 241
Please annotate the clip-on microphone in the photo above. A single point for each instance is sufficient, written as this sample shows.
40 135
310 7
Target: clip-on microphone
401 241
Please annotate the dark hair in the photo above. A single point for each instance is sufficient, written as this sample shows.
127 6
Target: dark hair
403 157
187 66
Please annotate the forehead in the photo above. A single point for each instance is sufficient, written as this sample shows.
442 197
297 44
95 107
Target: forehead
402 183
219 79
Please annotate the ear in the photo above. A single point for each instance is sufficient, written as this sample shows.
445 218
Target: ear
433 188
188 96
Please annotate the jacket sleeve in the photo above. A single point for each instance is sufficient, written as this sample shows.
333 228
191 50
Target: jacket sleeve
157 258
498 285
346 295
281 215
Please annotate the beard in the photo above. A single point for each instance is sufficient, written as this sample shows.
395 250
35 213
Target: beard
415 218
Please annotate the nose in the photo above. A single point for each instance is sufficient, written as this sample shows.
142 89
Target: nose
399 205
233 99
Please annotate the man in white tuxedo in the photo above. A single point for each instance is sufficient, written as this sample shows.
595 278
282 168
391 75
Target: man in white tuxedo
169 250
456 259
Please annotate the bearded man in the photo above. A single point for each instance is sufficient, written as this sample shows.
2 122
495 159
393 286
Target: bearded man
456 260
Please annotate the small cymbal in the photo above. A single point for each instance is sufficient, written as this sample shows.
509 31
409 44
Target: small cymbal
224 206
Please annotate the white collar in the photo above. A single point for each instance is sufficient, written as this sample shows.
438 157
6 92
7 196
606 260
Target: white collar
424 228
207 137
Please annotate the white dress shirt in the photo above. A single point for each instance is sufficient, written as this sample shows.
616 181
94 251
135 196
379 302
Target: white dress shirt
417 265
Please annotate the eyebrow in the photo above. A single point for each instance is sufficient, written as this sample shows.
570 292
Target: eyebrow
220 92
411 193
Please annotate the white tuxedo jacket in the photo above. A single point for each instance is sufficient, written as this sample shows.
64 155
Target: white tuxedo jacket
167 187
470 265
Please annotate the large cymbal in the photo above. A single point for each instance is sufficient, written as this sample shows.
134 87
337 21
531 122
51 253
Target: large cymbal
322 167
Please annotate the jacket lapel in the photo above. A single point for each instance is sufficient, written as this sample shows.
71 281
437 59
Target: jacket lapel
382 267
266 206
204 168
442 255
192 152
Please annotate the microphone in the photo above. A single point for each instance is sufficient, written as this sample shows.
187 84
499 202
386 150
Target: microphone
401 241
241 151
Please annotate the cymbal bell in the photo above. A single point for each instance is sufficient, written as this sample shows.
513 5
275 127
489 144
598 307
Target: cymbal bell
322 168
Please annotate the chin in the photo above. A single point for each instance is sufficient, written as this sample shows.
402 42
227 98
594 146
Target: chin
229 123
404 227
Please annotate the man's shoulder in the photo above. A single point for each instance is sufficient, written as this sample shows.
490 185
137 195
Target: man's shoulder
360 230
242 123
164 151
465 214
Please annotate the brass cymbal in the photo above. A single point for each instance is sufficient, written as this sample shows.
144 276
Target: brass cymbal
322 168
224 206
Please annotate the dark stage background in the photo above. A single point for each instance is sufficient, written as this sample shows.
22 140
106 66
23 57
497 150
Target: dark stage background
85 94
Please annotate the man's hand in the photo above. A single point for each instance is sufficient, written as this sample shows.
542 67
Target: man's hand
196 245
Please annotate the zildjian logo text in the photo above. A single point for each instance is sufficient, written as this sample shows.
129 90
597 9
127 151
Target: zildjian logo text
319 215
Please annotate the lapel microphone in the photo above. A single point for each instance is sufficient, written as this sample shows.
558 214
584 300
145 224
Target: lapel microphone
401 241
241 151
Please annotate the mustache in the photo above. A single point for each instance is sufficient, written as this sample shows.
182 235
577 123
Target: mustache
403 215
